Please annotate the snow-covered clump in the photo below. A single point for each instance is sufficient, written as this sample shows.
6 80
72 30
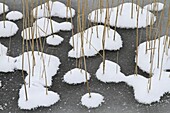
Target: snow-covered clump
125 18
14 15
157 6
139 83
92 102
8 28
76 76
111 74
158 66
41 68
3 50
146 54
141 88
92 41
2 9
6 62
45 66
54 40
37 97
44 27
56 9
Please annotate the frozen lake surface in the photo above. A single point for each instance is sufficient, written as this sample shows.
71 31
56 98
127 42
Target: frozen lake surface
119 98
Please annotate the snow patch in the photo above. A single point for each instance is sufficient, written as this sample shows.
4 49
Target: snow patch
45 65
9 29
92 102
141 89
14 15
111 74
124 19
40 68
92 41
157 6
44 27
2 9
3 50
6 62
138 82
76 76
37 97
144 57
56 9
54 40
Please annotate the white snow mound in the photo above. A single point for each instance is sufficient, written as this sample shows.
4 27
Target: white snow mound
37 97
56 9
54 40
92 41
144 57
6 62
44 27
40 74
3 50
45 66
111 74
154 6
40 68
92 102
138 82
9 29
141 89
14 15
76 76
2 9
124 19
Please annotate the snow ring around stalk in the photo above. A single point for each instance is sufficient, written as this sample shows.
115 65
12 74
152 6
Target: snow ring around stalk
9 30
76 76
112 72
94 101
14 15
54 40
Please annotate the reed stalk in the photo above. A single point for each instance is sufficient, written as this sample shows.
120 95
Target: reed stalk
4 18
